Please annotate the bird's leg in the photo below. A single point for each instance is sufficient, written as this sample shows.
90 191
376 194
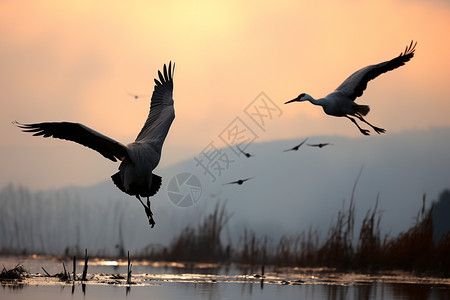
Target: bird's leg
139 198
377 129
363 131
151 221
148 211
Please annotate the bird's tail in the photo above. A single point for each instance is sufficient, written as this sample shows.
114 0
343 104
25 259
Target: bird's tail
118 182
156 184
362 109
136 190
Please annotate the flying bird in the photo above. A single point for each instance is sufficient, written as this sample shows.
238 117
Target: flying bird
136 96
245 153
340 103
319 145
296 147
140 158
239 182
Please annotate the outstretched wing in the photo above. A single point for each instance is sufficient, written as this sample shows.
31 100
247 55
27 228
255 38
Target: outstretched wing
80 134
161 112
354 86
295 148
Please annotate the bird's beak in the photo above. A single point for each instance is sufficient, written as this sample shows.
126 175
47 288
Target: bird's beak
293 100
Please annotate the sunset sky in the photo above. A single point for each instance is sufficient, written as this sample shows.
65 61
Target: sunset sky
78 60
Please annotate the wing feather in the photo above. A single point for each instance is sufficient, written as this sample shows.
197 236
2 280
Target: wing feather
80 134
161 77
165 72
354 86
161 112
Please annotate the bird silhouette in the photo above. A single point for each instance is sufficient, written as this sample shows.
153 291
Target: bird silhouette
340 103
243 152
239 182
140 158
136 96
320 145
296 147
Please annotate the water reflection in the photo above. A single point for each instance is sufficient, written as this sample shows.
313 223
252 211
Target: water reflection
260 290
419 291
365 291
13 286
336 292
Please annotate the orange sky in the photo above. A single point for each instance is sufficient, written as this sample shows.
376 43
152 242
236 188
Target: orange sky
77 60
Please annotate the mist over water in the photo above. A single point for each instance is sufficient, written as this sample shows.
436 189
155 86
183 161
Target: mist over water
290 192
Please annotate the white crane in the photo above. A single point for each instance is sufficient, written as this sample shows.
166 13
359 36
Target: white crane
340 103
135 176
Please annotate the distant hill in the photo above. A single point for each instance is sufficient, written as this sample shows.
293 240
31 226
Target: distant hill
289 192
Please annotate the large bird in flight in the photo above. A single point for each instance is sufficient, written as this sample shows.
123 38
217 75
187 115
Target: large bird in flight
140 158
341 102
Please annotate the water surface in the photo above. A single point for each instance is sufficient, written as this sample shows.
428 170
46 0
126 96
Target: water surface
106 280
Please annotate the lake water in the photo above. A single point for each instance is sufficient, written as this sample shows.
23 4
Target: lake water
176 281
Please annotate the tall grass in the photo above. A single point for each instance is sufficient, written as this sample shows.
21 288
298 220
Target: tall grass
337 251
368 250
60 223
201 243
412 250
300 249
254 249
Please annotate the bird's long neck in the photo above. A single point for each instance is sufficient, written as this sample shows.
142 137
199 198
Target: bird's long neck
315 101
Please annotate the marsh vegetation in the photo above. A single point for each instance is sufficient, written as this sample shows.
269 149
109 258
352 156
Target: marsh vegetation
412 250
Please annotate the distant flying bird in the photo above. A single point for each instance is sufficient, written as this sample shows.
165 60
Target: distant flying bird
341 103
135 176
245 153
319 145
135 96
296 147
239 182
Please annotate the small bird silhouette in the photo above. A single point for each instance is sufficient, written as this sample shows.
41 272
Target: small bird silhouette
296 147
139 158
341 102
319 145
243 152
135 96
239 182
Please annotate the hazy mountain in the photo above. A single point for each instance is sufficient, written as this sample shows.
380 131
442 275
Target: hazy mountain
289 192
